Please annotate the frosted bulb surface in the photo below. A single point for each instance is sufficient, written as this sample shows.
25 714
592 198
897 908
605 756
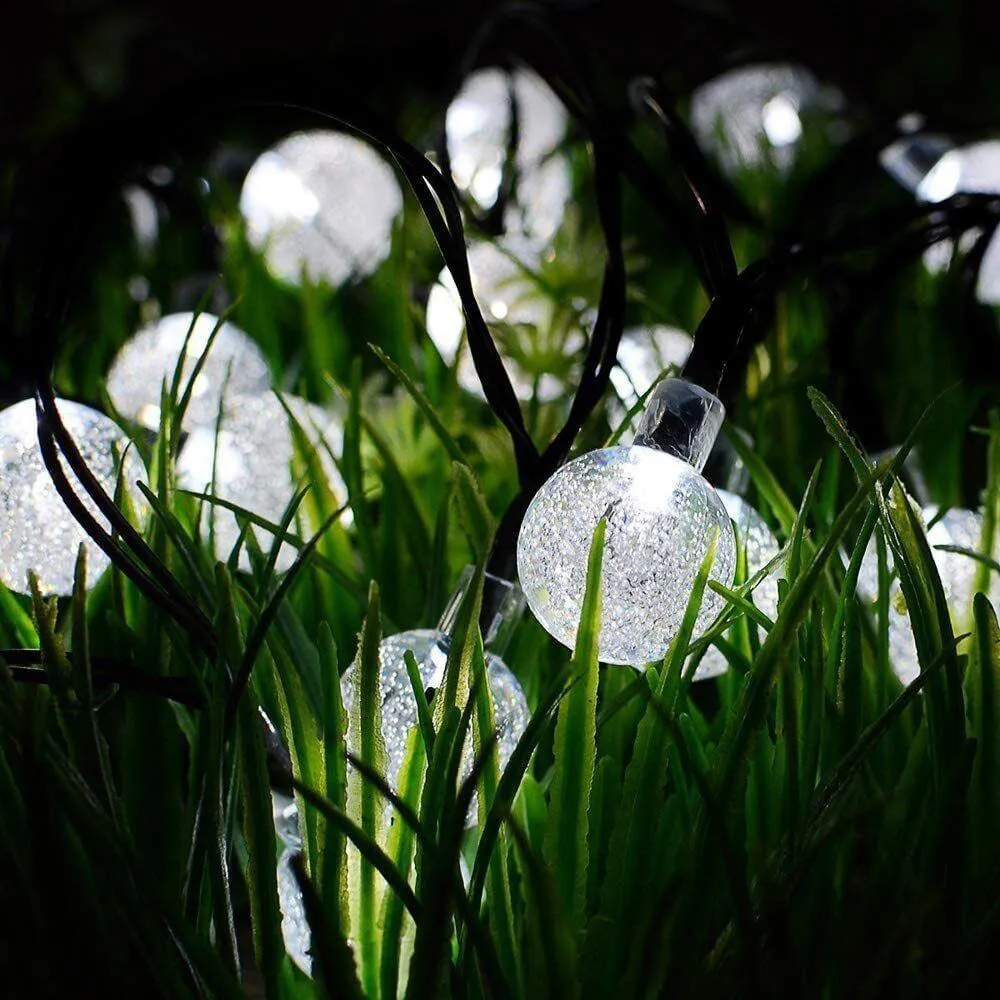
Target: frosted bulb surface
661 518
37 531
235 365
252 456
399 707
957 526
477 126
321 204
762 547
294 924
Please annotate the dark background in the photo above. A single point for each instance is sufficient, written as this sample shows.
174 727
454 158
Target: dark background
62 60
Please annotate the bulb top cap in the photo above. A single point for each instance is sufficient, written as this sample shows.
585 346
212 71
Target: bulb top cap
682 419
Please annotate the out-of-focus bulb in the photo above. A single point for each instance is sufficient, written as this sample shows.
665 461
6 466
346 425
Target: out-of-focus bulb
958 527
661 519
509 298
235 365
322 204
752 116
399 706
761 547
252 457
37 531
477 127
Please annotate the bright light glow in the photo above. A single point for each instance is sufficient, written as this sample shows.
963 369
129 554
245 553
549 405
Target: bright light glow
661 516
323 205
37 530
235 366
781 121
942 180
143 213
253 457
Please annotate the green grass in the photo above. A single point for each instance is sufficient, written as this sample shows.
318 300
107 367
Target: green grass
801 826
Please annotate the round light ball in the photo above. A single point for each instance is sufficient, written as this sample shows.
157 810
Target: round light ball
399 706
235 365
320 204
252 457
661 518
958 527
762 548
37 531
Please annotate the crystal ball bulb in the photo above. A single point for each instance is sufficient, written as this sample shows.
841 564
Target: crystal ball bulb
252 458
957 526
294 923
399 707
761 548
235 365
37 531
661 517
322 205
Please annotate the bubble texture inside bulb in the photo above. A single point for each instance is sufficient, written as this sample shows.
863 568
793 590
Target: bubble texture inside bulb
958 527
294 924
761 546
323 204
37 531
661 519
252 457
399 707
234 365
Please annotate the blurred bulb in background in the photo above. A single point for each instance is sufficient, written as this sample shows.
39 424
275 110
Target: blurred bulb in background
752 116
321 205
252 455
37 530
957 527
234 366
477 127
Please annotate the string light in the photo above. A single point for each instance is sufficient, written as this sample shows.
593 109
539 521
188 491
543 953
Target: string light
761 547
234 364
37 531
430 650
661 515
956 527
251 454
320 205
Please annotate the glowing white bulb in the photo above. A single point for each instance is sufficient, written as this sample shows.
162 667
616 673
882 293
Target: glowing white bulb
253 454
37 531
942 180
294 924
321 204
958 527
399 706
235 365
661 518
507 294
761 547
750 116
143 215
477 126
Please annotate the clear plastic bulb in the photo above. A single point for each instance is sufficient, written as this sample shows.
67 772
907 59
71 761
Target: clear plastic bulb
320 204
235 365
661 516
958 527
762 547
37 531
252 455
399 706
